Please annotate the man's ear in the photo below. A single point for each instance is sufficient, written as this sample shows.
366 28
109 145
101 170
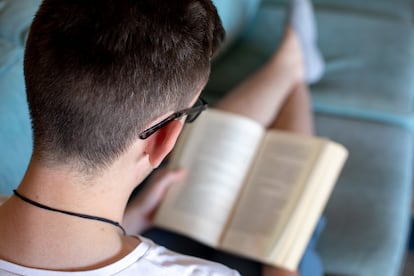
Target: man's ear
162 142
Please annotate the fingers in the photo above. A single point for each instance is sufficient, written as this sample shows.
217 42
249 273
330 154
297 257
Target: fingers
138 215
268 270
163 179
157 188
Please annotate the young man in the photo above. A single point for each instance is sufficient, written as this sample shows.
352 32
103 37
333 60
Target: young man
104 82
109 86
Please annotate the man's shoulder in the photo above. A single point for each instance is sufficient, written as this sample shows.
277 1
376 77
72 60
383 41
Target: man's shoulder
159 260
146 259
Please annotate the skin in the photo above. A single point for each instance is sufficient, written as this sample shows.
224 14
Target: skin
104 195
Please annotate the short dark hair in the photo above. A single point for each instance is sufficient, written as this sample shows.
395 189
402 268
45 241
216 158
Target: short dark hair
98 71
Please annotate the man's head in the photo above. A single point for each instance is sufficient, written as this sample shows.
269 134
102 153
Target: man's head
98 72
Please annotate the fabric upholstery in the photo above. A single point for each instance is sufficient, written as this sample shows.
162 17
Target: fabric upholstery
15 131
15 19
368 215
236 16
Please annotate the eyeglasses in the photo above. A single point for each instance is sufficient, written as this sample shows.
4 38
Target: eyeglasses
192 113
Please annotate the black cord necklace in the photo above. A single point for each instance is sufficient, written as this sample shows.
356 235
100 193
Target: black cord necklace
37 204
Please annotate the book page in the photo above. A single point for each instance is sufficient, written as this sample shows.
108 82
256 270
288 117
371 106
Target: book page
291 243
271 192
217 151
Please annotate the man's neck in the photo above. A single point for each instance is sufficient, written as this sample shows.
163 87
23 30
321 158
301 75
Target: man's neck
104 195
64 238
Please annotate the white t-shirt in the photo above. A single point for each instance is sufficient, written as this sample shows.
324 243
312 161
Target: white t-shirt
146 259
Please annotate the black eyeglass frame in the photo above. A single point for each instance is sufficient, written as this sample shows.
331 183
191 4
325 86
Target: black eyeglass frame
192 113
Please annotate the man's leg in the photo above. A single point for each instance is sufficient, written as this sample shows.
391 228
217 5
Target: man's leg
261 96
296 113
296 62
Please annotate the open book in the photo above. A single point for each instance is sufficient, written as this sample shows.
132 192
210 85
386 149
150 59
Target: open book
252 192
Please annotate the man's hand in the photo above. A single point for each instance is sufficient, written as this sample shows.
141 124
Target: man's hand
268 270
139 213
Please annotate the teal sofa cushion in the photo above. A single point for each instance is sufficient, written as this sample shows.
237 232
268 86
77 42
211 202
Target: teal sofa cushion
370 59
236 16
9 55
248 53
15 19
15 131
396 10
368 214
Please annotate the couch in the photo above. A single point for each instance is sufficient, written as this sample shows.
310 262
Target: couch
364 101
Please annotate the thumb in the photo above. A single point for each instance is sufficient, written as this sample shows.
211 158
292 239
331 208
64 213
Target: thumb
158 187
164 179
